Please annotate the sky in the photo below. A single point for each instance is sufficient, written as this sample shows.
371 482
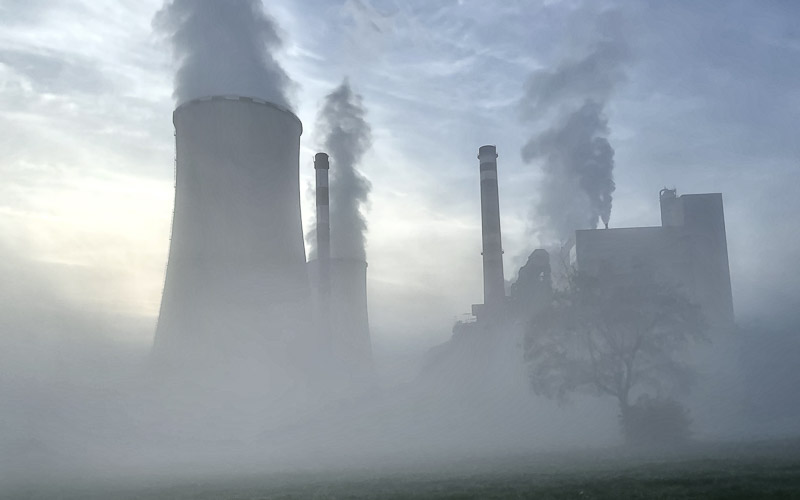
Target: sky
708 103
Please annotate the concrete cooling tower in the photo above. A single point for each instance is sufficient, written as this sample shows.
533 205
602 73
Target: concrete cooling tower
236 285
349 317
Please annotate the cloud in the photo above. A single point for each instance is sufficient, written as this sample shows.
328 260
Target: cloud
57 72
23 12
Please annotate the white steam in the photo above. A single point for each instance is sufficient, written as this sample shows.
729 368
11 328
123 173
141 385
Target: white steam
223 48
347 136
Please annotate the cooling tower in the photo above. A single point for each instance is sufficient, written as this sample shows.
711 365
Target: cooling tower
236 286
350 318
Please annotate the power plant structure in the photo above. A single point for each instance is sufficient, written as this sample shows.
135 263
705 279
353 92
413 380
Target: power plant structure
237 293
236 284
689 251
322 277
349 320
339 292
494 294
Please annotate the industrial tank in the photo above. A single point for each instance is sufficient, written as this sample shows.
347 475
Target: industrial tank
236 286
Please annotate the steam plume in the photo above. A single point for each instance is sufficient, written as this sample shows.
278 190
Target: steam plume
347 137
578 161
223 48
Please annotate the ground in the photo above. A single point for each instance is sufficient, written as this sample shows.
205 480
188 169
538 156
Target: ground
769 469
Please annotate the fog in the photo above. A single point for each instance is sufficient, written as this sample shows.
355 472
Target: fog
243 369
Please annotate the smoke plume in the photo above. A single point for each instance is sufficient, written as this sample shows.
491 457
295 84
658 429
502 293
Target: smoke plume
347 137
577 159
223 48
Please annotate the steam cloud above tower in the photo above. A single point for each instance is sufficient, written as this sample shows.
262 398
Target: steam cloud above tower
223 48
347 136
578 160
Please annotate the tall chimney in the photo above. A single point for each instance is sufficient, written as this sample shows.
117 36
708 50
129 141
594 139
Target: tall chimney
493 280
322 165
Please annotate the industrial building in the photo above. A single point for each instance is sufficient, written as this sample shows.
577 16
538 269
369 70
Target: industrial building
238 290
689 250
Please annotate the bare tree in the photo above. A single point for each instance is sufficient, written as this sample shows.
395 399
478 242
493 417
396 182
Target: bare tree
620 337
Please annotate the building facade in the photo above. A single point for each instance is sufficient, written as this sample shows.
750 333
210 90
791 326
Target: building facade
689 251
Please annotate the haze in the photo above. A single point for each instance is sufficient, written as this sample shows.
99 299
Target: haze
593 107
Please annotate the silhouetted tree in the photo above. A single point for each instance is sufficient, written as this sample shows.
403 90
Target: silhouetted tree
620 337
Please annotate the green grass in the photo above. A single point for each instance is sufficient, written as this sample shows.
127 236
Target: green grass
764 470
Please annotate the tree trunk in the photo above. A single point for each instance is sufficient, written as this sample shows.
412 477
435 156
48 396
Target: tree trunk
626 422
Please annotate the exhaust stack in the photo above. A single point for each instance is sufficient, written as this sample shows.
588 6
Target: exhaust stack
321 166
493 278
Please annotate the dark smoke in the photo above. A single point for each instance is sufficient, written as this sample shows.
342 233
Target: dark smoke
347 137
223 48
578 161
578 168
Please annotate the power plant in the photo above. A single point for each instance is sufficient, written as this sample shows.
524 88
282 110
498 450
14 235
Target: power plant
689 251
237 289
236 284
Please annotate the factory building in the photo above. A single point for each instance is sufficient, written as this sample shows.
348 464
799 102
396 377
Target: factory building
689 250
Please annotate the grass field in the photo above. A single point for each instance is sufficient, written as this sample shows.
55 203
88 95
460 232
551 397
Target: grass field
755 470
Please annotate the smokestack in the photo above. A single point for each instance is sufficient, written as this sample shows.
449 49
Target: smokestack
236 287
322 165
493 280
